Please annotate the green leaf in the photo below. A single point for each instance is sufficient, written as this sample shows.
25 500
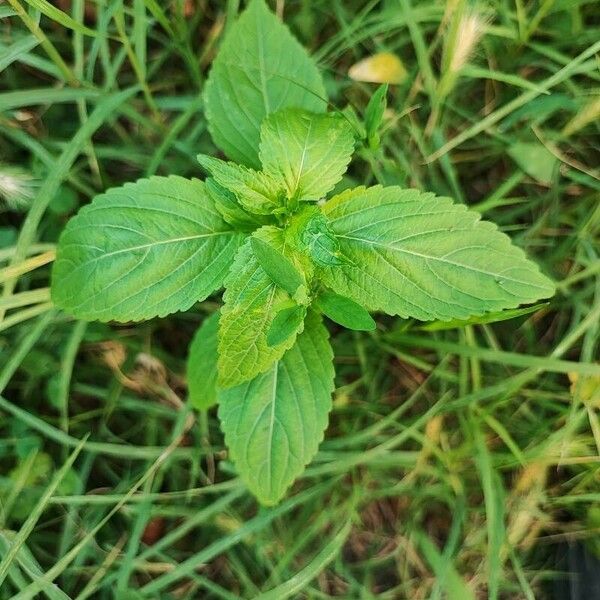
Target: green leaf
273 424
146 249
285 324
256 191
495 509
230 209
374 115
310 233
260 69
492 317
535 160
277 266
252 300
301 579
416 255
202 365
306 153
345 312
447 577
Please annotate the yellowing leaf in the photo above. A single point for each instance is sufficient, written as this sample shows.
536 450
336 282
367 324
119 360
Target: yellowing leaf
587 388
383 67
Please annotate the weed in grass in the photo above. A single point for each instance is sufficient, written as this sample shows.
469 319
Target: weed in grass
457 460
284 256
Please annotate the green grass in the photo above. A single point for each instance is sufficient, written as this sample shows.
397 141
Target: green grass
457 461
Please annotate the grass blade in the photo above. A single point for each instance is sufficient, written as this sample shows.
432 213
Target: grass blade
60 17
301 579
36 513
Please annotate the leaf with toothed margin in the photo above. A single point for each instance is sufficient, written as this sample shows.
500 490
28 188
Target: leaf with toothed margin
252 299
415 255
274 423
142 250
260 69
256 191
231 210
306 153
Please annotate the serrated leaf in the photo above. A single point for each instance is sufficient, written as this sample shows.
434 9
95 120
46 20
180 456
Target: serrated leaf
416 255
260 69
146 249
285 324
256 191
230 209
274 424
306 153
202 364
252 300
277 266
344 311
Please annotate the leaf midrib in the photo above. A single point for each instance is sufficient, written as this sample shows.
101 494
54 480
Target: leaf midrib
439 259
162 243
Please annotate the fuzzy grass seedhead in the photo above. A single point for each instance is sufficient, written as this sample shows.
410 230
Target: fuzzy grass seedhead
17 187
464 33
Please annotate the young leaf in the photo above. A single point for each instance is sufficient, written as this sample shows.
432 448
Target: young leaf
146 249
344 311
374 115
310 233
202 365
277 266
419 256
252 300
259 69
306 153
285 323
256 191
230 209
273 424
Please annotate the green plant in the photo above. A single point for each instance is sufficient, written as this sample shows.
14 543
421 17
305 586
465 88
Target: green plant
258 227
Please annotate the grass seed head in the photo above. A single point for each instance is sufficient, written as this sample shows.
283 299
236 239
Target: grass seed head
470 30
16 187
